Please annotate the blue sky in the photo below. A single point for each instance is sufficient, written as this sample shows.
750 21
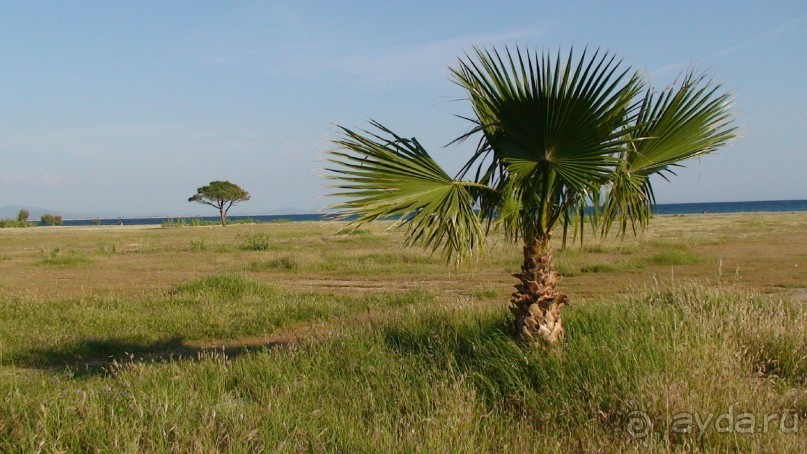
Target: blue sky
128 107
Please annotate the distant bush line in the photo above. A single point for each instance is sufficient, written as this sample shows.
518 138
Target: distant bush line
20 222
198 222
15 223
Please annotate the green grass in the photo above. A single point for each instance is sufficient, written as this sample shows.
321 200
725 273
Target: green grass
431 379
355 232
59 258
174 222
362 263
574 262
600 258
228 306
199 245
673 257
227 286
486 292
199 222
257 242
323 342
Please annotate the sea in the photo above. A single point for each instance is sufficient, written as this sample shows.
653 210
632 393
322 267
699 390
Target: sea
661 209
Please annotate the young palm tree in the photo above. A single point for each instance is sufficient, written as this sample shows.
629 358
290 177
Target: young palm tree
554 135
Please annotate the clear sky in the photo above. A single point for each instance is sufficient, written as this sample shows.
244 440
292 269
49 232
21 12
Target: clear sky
128 107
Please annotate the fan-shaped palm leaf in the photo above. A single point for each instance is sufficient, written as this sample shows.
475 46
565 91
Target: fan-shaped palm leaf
554 127
395 177
687 120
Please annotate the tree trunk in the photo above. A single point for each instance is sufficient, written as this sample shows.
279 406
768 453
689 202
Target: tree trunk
222 217
535 303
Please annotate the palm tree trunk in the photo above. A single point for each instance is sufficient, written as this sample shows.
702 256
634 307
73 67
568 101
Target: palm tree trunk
535 303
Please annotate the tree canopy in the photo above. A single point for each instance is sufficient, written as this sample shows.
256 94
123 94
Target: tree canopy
221 195
52 219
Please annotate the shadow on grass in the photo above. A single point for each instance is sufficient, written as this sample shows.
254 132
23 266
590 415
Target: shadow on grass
92 357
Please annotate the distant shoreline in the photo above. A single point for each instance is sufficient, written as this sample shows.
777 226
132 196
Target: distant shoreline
660 209
153 226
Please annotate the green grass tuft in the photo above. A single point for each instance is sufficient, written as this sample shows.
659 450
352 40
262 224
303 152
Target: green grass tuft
673 257
198 245
258 242
59 258
225 286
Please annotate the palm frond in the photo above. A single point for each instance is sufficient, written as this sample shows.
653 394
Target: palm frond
386 176
629 201
688 119
554 133
553 126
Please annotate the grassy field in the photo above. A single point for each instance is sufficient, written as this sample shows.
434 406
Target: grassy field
294 337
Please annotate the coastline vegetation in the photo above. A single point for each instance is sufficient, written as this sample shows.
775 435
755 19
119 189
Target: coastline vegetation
51 219
199 222
21 221
15 223
154 340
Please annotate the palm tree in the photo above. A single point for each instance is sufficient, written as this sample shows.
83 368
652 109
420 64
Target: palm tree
554 135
